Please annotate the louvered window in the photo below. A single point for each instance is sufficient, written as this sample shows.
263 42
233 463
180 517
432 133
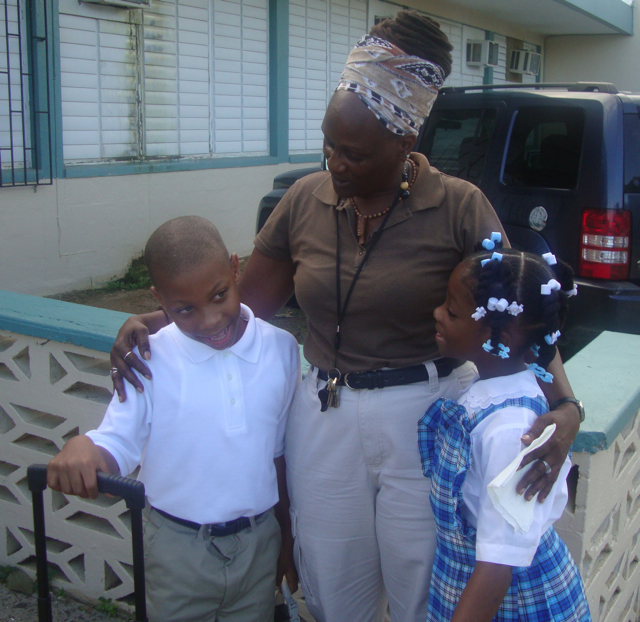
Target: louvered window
186 78
321 35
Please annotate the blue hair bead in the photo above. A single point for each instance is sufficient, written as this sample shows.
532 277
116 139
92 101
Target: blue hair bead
487 347
497 256
496 236
535 348
488 244
541 372
504 351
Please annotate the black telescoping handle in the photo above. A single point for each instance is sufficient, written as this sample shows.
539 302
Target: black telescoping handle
132 491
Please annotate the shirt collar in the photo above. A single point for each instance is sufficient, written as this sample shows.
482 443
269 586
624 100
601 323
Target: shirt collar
483 393
247 347
429 184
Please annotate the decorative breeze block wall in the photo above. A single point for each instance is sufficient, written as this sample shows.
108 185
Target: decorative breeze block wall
602 526
49 392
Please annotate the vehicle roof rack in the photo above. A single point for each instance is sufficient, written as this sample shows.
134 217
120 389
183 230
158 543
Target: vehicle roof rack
581 87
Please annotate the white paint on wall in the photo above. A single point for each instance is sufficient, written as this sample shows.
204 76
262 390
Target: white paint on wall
78 233
598 58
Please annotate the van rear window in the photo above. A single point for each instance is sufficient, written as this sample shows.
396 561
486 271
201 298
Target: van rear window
545 147
632 153
457 141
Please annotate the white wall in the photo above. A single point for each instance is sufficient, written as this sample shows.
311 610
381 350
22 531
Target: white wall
597 58
80 232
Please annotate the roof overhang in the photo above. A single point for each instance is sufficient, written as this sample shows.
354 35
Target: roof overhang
561 17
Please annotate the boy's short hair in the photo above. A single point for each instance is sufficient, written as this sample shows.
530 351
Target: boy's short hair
182 243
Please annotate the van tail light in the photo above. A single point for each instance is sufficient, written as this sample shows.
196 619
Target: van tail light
605 237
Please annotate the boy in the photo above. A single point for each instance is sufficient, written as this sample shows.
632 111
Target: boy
206 430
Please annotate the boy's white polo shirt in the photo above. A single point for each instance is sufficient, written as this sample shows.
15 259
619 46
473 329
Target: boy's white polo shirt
209 425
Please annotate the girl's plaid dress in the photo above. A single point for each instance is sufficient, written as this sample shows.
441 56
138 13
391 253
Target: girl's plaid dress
550 589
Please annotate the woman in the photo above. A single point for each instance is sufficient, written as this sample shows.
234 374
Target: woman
369 247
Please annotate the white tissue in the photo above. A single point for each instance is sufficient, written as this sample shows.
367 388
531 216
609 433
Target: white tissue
502 490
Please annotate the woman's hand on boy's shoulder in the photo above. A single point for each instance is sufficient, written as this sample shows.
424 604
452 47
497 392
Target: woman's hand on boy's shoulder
73 470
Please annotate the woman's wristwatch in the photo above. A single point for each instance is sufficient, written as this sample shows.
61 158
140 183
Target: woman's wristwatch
573 400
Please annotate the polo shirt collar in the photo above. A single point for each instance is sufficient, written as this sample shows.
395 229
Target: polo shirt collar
429 184
247 347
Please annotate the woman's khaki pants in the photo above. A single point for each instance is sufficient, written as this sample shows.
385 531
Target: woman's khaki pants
361 517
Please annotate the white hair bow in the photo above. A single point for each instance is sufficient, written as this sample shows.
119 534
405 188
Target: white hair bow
552 285
479 314
514 308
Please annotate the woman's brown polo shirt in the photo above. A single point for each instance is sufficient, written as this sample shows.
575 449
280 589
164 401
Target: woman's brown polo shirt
389 320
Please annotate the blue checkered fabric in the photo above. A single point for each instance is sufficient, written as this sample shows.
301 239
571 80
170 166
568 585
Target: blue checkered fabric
550 589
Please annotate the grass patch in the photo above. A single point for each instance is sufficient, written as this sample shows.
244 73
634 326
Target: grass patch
135 277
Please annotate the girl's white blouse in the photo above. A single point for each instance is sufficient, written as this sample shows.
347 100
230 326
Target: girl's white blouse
495 442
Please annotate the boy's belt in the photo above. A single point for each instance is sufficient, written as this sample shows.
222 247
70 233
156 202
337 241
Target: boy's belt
213 530
381 378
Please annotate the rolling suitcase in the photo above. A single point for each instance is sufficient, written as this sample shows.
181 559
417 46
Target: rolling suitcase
131 491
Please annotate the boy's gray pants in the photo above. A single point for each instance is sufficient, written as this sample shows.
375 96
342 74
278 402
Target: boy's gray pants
191 578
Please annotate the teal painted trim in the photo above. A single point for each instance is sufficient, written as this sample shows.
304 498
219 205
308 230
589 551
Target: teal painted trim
304 158
488 71
613 13
18 177
606 377
164 166
60 321
55 88
279 79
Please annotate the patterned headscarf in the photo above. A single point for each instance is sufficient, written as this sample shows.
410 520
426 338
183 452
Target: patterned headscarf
398 88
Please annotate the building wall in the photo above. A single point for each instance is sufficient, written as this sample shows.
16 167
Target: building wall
601 58
80 232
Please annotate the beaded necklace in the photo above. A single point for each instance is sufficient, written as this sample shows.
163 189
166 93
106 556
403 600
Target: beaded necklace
404 187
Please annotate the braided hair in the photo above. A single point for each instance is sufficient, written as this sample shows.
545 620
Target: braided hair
518 278
418 35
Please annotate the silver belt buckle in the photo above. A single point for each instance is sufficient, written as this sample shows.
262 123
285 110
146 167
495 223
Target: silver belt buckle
345 379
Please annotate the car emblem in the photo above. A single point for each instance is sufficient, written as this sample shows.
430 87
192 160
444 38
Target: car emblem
538 218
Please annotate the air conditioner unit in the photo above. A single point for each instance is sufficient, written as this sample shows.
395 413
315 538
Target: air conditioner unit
524 61
123 4
483 53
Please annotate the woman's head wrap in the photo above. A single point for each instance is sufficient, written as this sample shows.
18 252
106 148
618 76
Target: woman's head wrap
398 88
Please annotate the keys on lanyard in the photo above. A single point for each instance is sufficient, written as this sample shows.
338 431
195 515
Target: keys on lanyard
329 395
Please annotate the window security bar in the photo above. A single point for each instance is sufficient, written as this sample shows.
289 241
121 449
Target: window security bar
25 120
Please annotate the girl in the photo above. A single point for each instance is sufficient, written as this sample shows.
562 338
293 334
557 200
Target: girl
491 563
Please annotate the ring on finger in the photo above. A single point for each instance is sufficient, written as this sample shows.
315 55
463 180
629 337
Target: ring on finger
113 371
124 358
547 466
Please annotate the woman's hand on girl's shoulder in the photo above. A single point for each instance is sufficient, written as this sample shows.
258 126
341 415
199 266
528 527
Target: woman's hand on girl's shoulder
553 452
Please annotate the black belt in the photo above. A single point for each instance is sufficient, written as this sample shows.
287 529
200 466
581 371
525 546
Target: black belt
381 378
214 530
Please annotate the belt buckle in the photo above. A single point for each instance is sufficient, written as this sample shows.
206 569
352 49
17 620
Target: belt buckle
345 379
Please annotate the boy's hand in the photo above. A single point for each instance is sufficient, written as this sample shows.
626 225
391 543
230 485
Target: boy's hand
286 567
73 470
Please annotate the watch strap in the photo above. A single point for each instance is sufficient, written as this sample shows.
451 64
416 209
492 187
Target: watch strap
572 400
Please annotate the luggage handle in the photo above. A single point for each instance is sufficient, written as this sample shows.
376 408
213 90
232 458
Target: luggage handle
132 491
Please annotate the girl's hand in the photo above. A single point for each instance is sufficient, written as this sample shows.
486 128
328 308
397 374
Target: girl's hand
134 332
553 452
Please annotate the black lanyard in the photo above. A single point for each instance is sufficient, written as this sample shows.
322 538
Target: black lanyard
342 308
